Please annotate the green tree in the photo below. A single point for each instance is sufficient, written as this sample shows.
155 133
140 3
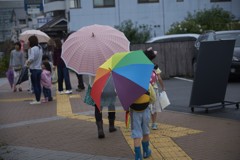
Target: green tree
198 22
6 48
135 33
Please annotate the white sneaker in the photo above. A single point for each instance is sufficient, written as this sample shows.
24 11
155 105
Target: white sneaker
68 92
35 102
154 126
60 92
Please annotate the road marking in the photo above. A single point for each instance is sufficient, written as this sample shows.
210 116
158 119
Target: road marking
184 79
63 105
161 143
31 98
16 99
34 121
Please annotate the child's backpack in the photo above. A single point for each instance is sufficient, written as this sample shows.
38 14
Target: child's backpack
153 78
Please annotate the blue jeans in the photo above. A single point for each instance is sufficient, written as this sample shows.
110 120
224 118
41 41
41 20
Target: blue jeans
35 79
47 93
63 74
140 123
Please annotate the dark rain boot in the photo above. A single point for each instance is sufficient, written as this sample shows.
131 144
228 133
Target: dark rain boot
111 126
138 154
100 129
146 151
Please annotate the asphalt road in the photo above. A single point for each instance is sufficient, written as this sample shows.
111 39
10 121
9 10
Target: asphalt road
179 93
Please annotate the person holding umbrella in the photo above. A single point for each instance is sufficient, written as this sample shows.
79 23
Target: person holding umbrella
98 114
140 117
86 49
34 62
155 107
62 70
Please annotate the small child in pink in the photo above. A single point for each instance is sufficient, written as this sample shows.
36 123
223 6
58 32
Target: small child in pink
46 81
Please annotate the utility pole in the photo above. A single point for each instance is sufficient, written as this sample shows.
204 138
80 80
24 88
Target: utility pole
163 13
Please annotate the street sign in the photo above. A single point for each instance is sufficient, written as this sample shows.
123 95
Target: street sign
33 9
33 6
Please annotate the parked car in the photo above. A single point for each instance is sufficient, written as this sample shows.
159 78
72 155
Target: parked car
174 38
222 35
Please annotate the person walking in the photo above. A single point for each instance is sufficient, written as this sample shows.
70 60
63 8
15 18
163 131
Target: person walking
140 118
34 62
155 107
16 64
62 70
46 81
98 113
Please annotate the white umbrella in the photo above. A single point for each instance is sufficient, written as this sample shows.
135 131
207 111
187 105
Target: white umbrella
89 47
42 37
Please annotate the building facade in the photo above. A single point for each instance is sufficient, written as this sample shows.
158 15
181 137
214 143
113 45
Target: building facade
158 14
12 19
58 17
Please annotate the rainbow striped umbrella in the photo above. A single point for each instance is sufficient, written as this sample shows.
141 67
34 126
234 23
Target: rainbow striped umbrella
89 47
126 75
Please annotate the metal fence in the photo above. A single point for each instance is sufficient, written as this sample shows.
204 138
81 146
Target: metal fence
174 58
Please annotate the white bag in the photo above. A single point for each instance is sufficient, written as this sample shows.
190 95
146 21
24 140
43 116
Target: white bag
163 98
54 77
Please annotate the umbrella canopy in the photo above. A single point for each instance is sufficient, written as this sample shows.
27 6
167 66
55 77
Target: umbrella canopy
86 49
42 37
23 75
126 74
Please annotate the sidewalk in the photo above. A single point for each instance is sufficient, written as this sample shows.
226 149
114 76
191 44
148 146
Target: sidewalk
65 129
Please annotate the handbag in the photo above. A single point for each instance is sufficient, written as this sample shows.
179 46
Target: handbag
164 101
10 76
88 99
17 68
54 77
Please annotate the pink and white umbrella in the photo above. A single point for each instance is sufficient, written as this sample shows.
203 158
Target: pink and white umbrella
89 47
42 37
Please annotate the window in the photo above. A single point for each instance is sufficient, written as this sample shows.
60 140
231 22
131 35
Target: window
22 21
180 0
220 0
74 3
148 1
48 1
103 3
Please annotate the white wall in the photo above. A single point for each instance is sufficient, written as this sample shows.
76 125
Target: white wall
158 15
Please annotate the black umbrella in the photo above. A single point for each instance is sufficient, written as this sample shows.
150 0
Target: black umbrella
23 76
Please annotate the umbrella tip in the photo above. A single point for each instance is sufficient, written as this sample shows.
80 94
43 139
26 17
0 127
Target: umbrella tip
93 34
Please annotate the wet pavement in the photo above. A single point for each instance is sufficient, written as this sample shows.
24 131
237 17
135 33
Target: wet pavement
65 128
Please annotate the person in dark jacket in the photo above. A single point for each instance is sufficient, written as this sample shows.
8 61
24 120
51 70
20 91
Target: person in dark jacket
80 86
62 70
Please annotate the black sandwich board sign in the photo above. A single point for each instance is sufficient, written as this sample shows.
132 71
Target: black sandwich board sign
212 72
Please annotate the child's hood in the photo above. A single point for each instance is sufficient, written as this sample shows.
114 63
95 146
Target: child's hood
48 73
